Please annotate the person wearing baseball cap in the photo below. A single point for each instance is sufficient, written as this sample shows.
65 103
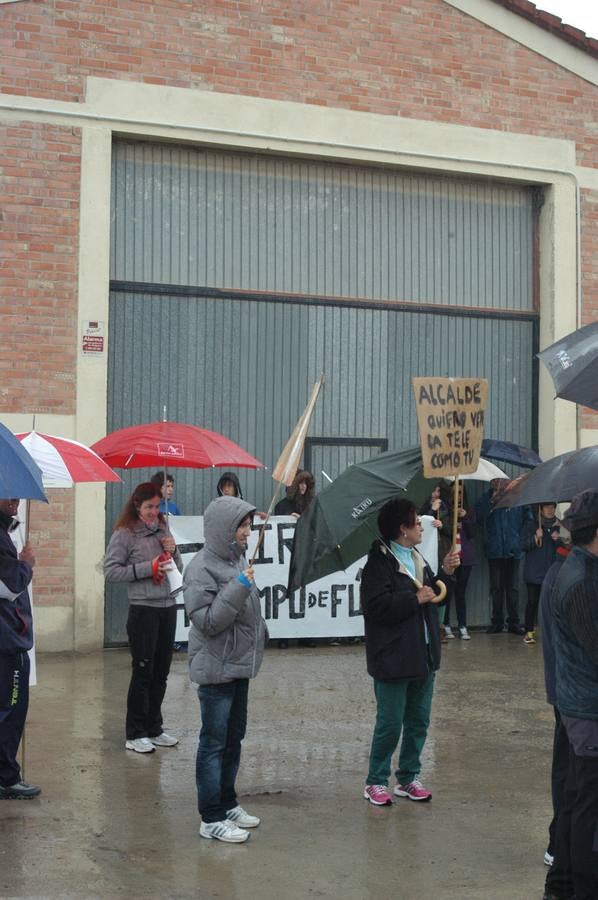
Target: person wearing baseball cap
573 608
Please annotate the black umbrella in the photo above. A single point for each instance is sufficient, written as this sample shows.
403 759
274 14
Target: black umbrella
573 365
558 479
340 523
505 451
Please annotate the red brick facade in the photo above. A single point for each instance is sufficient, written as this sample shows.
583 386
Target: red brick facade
39 225
51 530
423 60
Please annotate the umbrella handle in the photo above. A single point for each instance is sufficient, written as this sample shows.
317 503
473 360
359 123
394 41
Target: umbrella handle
441 590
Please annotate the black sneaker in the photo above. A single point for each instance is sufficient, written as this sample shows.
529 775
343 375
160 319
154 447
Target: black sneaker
19 791
494 629
517 629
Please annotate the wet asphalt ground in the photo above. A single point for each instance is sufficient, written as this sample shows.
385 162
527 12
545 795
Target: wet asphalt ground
112 823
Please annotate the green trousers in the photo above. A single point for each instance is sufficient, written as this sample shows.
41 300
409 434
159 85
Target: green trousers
402 707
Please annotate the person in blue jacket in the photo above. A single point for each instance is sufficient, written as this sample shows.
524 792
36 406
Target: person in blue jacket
502 529
16 638
167 504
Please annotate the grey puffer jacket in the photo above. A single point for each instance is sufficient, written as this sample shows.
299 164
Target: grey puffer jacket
129 559
228 633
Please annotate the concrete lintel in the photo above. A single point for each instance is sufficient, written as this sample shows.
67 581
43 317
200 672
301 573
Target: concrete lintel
48 423
287 126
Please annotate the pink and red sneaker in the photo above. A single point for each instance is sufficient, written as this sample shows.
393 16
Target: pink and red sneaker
415 791
377 794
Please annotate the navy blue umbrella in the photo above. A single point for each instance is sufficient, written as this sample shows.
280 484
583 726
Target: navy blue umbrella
20 476
505 451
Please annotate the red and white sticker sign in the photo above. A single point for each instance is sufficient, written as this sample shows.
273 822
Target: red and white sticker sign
176 450
93 338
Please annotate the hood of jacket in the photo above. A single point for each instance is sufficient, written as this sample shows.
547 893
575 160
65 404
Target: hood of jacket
221 520
229 476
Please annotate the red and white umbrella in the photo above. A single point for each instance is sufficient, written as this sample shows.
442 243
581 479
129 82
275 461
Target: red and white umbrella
65 462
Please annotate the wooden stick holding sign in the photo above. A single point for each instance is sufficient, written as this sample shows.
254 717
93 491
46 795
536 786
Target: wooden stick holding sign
538 537
456 507
450 416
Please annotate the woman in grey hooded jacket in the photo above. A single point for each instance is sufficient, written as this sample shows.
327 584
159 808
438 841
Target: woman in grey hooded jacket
226 646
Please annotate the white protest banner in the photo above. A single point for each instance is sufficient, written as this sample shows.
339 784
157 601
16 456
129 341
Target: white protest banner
450 418
328 607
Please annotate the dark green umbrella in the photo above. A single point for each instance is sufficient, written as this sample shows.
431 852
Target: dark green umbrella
340 524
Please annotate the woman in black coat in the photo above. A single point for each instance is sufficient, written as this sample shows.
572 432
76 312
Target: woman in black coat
398 594
299 495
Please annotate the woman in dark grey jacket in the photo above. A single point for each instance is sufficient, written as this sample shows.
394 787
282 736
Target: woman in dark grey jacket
226 646
139 554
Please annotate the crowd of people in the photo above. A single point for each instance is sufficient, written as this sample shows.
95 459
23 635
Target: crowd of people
406 608
509 535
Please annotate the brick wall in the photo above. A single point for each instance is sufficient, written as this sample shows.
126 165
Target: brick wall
51 533
421 59
39 223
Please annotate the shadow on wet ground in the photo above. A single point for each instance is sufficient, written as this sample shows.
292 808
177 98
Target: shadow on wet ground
111 823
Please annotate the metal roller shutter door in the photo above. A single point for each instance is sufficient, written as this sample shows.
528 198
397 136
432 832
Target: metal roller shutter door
236 279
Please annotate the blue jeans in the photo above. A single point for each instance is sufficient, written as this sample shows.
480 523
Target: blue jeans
223 724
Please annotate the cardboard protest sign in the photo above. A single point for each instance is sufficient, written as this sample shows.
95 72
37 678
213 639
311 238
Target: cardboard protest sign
450 417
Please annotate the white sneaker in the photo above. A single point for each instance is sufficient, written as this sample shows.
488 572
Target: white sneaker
548 859
448 631
464 634
140 745
242 818
223 831
164 740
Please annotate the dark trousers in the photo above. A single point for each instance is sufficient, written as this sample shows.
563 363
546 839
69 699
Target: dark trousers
462 574
531 607
575 868
560 767
151 633
503 587
223 725
14 701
